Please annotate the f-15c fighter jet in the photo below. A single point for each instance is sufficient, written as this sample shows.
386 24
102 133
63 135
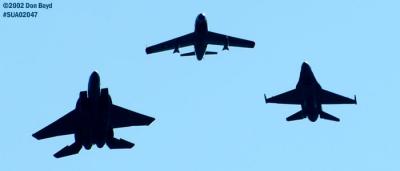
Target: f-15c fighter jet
92 121
309 94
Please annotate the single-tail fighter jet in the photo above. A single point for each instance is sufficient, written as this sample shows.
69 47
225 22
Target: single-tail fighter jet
92 121
200 38
309 94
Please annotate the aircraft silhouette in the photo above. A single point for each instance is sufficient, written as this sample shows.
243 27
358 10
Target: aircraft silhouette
200 38
93 121
309 94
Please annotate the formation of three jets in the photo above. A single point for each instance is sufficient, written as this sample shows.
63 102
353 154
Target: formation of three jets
95 116
308 93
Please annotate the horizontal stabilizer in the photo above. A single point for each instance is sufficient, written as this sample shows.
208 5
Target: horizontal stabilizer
68 150
297 116
122 117
189 54
119 143
210 53
327 116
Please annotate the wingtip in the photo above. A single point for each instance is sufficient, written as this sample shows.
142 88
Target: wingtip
265 98
151 120
36 136
57 156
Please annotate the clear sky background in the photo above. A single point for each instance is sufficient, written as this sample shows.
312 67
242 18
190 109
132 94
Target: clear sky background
210 114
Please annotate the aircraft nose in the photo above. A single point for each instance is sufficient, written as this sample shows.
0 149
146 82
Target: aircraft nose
201 16
95 76
305 65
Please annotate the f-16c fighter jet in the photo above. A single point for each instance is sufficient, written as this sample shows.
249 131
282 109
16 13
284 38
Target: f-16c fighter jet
309 94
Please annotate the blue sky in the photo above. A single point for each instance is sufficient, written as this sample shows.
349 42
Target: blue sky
210 115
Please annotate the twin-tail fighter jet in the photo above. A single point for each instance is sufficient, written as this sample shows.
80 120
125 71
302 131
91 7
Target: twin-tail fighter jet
200 38
92 121
309 94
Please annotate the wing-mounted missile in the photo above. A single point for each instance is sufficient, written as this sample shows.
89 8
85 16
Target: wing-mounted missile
226 45
355 99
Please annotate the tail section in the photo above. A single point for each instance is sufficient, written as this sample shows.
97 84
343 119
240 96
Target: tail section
68 150
297 116
327 116
114 143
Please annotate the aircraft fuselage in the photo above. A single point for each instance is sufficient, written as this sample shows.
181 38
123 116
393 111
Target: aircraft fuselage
309 87
200 31
94 127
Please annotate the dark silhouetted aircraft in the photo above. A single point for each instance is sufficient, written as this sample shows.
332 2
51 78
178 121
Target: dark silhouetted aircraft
200 38
309 94
92 121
